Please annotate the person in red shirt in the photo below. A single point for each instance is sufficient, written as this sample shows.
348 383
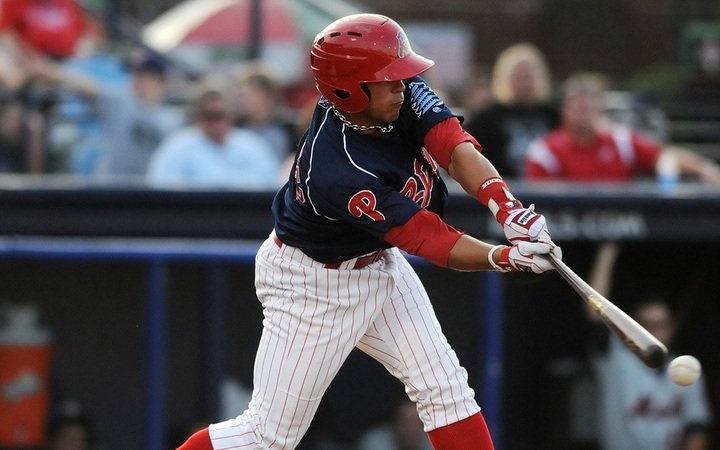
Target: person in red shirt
587 148
51 28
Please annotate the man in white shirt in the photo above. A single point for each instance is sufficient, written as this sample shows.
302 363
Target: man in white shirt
214 154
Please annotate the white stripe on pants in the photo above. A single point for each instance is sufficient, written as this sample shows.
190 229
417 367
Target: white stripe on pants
313 318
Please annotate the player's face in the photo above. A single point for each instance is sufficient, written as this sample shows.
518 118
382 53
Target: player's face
581 112
657 319
524 81
214 119
149 87
386 99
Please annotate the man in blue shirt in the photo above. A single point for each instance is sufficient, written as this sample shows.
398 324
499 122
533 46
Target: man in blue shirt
214 154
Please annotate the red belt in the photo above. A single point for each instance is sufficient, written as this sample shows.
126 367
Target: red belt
360 261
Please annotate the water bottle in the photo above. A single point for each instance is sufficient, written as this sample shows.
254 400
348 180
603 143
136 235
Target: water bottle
668 173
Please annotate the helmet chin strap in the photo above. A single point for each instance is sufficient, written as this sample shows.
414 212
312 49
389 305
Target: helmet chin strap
383 128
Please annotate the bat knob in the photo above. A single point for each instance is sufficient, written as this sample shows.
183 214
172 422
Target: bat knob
655 356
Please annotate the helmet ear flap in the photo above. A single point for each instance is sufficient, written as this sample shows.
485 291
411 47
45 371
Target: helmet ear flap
350 99
341 93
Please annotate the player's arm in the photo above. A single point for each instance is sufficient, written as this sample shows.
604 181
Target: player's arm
384 212
459 153
75 82
12 72
692 164
651 156
426 235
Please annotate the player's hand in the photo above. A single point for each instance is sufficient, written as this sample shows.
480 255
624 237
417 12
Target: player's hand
524 224
523 257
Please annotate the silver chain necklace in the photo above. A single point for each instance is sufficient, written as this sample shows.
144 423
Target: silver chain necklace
385 129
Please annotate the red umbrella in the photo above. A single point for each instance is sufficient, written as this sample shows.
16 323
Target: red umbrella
229 22
231 25
210 31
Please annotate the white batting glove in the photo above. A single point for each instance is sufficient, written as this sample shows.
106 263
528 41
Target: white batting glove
519 223
524 224
523 257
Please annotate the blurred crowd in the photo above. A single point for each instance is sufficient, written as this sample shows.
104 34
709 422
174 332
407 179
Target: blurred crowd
74 102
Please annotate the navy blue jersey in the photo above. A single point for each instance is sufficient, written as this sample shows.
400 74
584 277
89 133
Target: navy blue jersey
347 189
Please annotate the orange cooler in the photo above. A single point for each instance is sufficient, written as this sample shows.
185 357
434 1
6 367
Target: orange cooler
25 358
24 377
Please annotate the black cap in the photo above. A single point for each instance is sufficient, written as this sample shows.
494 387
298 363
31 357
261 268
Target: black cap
147 61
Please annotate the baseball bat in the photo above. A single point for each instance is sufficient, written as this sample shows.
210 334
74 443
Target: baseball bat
637 339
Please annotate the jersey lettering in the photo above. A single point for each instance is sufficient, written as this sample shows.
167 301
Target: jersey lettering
363 204
429 159
299 193
421 196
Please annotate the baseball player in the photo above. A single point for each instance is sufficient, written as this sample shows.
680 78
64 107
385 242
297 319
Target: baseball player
331 276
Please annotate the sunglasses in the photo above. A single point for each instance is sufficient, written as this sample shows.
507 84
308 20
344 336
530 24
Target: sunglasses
211 116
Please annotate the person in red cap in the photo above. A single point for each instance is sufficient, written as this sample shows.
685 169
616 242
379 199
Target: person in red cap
331 277
51 28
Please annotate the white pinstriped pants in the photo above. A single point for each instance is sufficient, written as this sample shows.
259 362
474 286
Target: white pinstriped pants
313 318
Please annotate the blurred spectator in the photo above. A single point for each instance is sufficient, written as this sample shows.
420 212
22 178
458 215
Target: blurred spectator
521 108
32 29
404 431
587 148
135 124
50 28
637 112
134 119
213 153
75 134
262 109
30 77
641 408
70 429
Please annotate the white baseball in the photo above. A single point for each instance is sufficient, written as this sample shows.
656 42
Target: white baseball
684 370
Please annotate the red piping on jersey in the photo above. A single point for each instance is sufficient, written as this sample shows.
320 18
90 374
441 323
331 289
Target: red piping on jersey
442 139
425 235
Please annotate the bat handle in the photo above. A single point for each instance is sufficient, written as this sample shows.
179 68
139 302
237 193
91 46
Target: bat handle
554 260
560 267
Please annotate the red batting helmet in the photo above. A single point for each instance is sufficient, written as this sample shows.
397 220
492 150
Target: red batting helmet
358 49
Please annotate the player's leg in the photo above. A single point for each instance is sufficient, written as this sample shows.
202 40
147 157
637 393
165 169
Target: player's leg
407 339
313 317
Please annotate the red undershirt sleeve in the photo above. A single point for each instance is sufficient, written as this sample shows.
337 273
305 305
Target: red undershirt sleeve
425 235
442 139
